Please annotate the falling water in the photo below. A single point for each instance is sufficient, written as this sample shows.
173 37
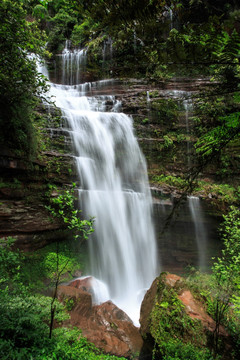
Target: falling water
114 189
72 62
200 231
188 107
171 18
148 97
190 237
107 52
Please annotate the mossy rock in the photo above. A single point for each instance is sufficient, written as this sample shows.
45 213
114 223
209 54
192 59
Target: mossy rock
166 322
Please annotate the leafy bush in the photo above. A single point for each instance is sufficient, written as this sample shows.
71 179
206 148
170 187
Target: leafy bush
170 180
61 26
63 207
40 12
81 32
177 350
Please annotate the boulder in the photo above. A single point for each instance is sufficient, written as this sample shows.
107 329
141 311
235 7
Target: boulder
84 284
81 302
149 301
165 312
113 331
105 325
196 311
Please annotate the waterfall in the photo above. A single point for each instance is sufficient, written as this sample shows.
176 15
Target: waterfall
148 97
188 105
107 53
114 190
171 18
190 237
200 231
72 62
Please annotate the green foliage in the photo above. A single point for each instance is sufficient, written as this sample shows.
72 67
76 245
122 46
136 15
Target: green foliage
226 267
168 142
177 350
63 207
19 81
174 332
219 136
170 180
226 271
223 192
167 110
75 6
39 268
61 26
82 32
69 303
145 121
23 316
207 289
40 12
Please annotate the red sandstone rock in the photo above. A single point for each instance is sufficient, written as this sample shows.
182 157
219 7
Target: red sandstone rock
196 311
193 308
171 279
85 284
82 300
105 325
115 328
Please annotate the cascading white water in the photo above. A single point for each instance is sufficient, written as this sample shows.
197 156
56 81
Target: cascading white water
107 52
114 190
72 61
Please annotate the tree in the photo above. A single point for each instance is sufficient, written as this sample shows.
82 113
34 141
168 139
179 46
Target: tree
226 270
63 207
20 84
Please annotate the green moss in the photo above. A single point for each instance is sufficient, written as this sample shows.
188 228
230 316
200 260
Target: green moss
170 326
15 184
223 192
171 180
167 110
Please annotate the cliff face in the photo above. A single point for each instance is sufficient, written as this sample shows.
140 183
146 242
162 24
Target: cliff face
24 186
23 197
163 120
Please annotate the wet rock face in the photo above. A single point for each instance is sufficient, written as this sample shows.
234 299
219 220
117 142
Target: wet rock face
105 325
23 188
29 224
84 284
